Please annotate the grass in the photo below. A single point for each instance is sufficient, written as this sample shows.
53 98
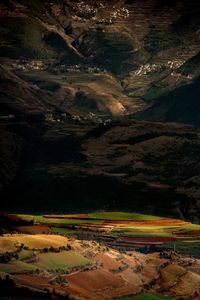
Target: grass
191 227
62 231
42 220
63 260
185 247
46 261
120 216
151 228
17 267
192 241
139 234
25 254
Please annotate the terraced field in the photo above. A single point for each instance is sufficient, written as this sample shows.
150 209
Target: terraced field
120 230
100 256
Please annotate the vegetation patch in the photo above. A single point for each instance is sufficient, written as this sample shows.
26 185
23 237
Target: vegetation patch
24 254
61 221
118 216
17 267
111 50
64 260
22 37
62 231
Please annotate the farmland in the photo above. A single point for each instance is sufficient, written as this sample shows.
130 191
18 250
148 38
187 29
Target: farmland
101 255
121 230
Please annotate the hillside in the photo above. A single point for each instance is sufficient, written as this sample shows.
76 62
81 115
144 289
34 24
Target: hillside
141 51
181 105
122 165
117 262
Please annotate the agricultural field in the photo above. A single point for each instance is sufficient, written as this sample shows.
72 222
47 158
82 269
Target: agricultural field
120 230
102 255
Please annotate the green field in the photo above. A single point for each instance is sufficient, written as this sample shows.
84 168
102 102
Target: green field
50 261
25 254
187 247
63 260
120 216
62 231
17 267
138 233
63 221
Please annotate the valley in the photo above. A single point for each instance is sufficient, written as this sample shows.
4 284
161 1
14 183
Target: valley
99 150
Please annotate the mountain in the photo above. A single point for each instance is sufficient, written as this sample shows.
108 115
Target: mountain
92 95
121 55
129 165
181 105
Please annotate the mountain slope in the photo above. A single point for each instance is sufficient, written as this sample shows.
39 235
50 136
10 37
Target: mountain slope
118 166
19 97
181 105
73 74
143 45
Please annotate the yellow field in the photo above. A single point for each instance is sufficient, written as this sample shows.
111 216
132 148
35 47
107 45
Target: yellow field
38 241
7 245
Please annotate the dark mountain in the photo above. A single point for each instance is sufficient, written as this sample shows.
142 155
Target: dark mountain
129 52
181 105
18 97
124 165
74 77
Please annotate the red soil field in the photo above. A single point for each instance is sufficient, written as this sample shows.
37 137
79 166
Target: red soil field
107 261
78 216
99 284
34 229
30 281
161 222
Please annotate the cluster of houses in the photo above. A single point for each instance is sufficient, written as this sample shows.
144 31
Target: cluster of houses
83 12
23 64
92 117
76 69
175 64
121 13
149 68
39 65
